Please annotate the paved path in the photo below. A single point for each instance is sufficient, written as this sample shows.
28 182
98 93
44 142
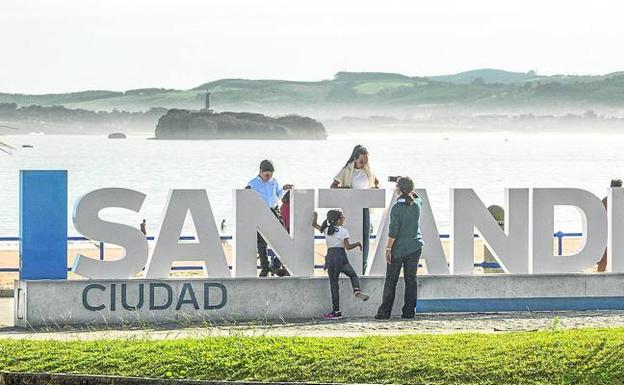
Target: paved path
429 323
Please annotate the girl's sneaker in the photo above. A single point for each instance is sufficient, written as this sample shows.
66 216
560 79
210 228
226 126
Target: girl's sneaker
361 295
334 315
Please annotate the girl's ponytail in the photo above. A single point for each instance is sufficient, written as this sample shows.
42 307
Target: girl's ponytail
331 229
324 226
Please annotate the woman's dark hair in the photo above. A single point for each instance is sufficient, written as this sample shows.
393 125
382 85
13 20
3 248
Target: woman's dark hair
357 151
406 187
286 197
330 222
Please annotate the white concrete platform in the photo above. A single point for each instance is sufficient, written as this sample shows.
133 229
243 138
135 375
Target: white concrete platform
113 302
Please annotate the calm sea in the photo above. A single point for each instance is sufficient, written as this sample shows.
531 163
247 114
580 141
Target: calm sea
486 162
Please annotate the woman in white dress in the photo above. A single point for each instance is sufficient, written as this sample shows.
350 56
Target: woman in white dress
357 174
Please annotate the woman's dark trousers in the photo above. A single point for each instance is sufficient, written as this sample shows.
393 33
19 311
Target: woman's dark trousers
337 262
262 248
409 263
262 254
365 237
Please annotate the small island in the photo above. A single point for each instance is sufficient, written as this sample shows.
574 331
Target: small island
207 124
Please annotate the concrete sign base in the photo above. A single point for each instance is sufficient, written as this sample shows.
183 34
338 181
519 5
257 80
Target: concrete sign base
115 302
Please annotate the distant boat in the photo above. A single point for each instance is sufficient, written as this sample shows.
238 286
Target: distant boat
117 135
27 146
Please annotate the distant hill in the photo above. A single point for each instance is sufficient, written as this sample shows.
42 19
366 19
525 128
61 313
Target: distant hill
369 77
363 93
61 120
488 75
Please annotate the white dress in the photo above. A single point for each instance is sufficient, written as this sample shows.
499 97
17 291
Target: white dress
360 179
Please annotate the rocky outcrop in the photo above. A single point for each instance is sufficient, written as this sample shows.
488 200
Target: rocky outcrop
185 124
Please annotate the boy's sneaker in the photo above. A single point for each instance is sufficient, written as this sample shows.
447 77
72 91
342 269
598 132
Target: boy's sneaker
334 315
361 295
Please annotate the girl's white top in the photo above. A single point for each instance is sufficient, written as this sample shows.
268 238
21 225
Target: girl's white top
336 239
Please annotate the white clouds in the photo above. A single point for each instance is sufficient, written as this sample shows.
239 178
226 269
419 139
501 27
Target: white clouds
85 44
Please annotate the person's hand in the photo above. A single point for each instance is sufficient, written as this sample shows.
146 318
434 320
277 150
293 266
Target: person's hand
389 256
315 217
359 245
287 187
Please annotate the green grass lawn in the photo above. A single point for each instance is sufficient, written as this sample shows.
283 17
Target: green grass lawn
586 356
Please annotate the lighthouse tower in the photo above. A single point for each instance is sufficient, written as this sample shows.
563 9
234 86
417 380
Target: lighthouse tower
207 107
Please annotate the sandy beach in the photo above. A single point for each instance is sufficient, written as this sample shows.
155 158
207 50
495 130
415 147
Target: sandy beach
9 257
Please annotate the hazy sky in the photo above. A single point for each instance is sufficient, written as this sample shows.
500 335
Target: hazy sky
66 45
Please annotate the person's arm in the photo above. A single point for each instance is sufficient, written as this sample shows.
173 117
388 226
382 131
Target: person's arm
389 250
350 246
602 264
339 179
392 232
250 184
277 189
371 175
315 221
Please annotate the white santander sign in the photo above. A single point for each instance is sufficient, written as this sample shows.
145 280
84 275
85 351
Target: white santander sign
524 247
138 286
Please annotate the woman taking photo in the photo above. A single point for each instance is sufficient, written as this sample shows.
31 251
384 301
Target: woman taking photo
357 174
403 250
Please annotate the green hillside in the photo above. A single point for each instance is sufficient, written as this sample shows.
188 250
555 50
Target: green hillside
488 75
487 88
